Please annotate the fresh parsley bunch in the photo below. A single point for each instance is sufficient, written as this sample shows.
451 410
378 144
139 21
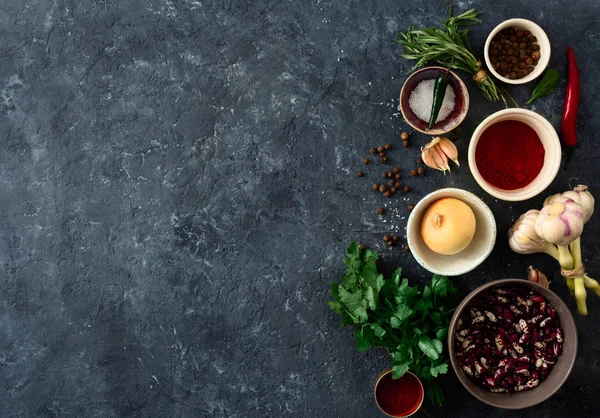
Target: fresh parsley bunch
410 324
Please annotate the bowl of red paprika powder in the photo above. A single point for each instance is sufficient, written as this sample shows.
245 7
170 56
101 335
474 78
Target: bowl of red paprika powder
514 154
398 398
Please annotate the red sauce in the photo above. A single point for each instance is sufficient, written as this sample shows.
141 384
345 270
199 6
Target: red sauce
509 155
399 397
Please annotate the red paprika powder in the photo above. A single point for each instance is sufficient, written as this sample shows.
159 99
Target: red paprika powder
509 155
399 397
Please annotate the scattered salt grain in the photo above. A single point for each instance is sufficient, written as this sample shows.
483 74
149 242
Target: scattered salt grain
421 100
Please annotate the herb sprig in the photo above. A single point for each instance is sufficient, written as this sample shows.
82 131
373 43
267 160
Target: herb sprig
411 324
449 47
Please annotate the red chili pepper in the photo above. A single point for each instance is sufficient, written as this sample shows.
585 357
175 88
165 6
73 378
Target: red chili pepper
569 115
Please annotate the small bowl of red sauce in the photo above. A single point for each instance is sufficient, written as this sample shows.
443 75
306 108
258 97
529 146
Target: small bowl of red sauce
398 398
514 154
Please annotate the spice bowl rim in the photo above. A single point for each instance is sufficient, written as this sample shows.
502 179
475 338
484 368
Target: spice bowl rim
520 400
455 121
389 371
479 250
553 153
542 40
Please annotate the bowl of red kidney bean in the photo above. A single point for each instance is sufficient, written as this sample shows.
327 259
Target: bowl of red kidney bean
512 343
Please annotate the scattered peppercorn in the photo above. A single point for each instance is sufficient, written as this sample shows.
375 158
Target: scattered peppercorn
397 176
407 189
382 188
384 175
411 207
375 186
388 146
396 169
512 55
421 171
406 248
420 160
395 237
380 148
397 185
384 160
391 243
391 182
394 190
365 161
382 154
386 238
390 174
406 144
380 211
372 151
360 174
387 194
404 136
413 173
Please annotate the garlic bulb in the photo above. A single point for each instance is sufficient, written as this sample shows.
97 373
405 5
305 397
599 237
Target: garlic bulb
437 153
560 222
523 239
581 195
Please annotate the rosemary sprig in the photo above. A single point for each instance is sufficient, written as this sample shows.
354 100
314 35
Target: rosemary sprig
449 47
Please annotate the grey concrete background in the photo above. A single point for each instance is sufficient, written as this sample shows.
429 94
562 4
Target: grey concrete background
178 186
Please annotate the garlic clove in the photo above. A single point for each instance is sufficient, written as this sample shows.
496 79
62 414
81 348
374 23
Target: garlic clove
538 277
441 160
427 157
449 149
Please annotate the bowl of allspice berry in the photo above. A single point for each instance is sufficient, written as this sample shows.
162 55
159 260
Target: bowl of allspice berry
517 51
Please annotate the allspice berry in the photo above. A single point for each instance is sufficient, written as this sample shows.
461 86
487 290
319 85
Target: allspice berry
365 160
421 171
384 175
396 169
380 211
407 189
413 173
404 136
360 174
388 146
380 148
372 151
393 190
386 238
406 248
387 194
411 207
395 237
384 160
397 185
405 144
397 176
390 243
375 186
420 160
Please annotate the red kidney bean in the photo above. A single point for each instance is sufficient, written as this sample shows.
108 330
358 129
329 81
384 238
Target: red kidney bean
535 374
524 339
559 335
524 326
490 381
514 338
537 298
532 383
550 311
499 374
510 380
522 370
545 322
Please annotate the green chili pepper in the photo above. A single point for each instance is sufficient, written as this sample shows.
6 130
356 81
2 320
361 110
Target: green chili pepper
439 91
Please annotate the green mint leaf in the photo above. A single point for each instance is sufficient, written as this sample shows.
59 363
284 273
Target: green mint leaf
547 84
437 344
364 338
439 369
427 348
399 369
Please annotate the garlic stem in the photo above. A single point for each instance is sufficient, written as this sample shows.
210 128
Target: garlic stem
591 284
564 257
551 250
580 296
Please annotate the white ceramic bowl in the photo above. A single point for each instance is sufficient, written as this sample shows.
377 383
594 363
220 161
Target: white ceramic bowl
552 157
469 258
542 41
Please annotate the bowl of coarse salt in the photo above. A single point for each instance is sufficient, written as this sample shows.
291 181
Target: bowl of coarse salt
416 101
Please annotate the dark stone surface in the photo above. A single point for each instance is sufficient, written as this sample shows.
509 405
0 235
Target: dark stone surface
179 185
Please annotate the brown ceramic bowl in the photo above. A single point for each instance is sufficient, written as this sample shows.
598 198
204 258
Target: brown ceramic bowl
455 118
557 376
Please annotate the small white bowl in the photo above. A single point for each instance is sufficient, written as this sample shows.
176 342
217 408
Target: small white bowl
552 157
542 41
476 252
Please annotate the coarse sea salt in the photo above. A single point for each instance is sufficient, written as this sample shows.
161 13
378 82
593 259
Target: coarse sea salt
421 101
